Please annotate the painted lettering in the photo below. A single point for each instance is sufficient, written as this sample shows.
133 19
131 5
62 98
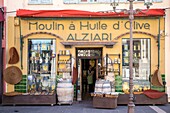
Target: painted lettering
77 38
72 27
97 37
105 36
137 25
147 26
33 25
42 26
89 37
126 25
104 26
70 37
85 36
116 26
95 26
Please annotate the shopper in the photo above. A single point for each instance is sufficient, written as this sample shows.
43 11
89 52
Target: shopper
90 79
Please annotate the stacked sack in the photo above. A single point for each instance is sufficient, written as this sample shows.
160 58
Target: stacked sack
102 86
110 77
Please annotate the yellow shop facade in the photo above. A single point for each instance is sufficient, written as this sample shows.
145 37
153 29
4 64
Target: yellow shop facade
49 46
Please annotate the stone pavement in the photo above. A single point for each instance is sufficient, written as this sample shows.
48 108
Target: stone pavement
82 107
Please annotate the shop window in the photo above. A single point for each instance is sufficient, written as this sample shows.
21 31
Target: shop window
100 1
141 58
40 2
141 62
41 66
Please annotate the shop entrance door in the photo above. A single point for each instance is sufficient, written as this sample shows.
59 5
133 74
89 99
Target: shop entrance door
87 71
88 77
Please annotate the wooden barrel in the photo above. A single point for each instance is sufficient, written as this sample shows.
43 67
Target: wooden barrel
99 86
106 87
65 92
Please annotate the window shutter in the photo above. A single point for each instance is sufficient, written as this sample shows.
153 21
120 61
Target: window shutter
97 1
122 0
33 1
70 1
157 0
40 2
46 1
119 0
104 1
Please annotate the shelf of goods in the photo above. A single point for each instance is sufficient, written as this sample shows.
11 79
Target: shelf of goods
64 64
113 64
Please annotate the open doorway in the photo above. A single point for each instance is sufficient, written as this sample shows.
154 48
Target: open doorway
87 61
88 77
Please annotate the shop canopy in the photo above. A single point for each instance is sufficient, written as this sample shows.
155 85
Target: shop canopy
80 13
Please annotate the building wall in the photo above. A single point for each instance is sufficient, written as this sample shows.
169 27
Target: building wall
59 5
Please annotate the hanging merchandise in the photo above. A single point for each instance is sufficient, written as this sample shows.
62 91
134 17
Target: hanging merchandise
12 75
14 57
75 74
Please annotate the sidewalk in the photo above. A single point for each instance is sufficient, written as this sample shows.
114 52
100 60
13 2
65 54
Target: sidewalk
77 107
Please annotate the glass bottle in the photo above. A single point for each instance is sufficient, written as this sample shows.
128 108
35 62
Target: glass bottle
41 59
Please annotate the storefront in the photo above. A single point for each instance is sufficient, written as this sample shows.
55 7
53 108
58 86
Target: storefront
49 43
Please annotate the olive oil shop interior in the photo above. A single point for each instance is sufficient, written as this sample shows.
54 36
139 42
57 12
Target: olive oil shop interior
50 48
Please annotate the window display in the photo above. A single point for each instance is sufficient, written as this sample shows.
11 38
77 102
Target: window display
41 78
141 62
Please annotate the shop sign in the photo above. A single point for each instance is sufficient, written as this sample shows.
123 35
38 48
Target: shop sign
87 30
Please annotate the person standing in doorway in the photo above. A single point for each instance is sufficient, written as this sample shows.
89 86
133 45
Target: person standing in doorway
90 79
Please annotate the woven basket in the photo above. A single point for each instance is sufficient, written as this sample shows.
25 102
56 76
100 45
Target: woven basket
111 96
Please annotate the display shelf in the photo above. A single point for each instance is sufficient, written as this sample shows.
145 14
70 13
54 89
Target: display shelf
136 55
64 71
64 62
113 60
64 55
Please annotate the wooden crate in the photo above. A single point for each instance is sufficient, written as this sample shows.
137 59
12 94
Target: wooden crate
104 102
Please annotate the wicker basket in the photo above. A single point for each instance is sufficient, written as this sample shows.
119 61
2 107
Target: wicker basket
111 96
